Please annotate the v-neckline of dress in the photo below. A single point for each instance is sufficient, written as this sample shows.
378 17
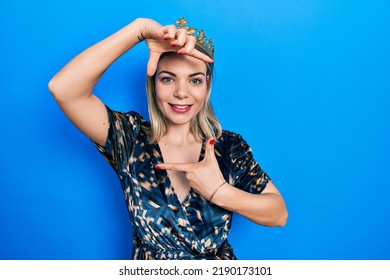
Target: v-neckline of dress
173 195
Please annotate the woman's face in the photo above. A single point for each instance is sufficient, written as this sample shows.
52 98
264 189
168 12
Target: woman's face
181 87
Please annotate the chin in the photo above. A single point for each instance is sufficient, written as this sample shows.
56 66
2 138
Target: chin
180 119
176 121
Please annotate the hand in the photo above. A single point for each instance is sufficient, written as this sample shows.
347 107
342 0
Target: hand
167 38
205 176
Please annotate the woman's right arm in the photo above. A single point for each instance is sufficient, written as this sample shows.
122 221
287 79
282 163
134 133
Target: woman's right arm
72 86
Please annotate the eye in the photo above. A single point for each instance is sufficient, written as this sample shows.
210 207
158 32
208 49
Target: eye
196 81
166 80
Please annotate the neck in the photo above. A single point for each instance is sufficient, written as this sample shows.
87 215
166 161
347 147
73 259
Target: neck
178 135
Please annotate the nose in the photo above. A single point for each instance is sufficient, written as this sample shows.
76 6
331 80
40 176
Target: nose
181 90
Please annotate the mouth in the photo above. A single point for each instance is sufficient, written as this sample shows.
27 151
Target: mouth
180 108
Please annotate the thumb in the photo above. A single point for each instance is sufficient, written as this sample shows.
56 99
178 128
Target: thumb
210 148
152 63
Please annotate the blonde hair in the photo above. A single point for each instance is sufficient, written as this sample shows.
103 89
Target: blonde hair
205 125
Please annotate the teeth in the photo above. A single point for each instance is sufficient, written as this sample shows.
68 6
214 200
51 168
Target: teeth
181 107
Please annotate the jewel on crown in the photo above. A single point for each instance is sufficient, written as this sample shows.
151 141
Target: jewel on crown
201 39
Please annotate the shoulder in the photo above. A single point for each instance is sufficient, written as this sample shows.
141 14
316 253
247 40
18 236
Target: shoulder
132 116
230 138
227 134
126 118
127 123
234 144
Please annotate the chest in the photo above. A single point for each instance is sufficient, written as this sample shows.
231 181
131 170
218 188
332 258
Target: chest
188 154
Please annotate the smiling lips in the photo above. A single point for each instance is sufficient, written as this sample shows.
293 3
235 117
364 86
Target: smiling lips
179 108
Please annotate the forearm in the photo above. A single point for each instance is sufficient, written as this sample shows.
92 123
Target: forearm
266 209
82 73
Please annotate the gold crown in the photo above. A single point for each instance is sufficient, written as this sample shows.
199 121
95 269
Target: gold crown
201 38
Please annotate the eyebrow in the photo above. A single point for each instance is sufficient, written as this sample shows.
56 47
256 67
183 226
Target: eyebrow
174 75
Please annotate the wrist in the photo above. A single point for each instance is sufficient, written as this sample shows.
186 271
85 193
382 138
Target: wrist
140 23
145 26
227 197
216 190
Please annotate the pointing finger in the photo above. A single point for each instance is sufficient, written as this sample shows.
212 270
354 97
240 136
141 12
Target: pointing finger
197 54
184 167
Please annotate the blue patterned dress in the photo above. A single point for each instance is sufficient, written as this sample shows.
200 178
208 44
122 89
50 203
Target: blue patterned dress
163 227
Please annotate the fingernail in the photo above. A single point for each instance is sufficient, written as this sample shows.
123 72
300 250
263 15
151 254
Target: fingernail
212 141
173 45
180 53
157 167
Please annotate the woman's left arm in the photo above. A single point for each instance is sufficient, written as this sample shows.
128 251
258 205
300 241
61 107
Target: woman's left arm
267 208
205 177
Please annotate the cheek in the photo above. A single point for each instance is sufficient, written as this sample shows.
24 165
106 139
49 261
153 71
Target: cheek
161 95
159 99
201 96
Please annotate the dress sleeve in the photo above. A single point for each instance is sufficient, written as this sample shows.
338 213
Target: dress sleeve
246 172
122 133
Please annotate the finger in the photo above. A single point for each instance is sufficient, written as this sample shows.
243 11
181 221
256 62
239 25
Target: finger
169 32
152 63
197 54
210 144
209 152
184 167
189 46
181 38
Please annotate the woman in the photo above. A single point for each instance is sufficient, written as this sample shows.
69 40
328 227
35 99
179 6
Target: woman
181 174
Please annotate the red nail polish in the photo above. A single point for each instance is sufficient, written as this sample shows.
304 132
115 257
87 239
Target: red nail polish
173 45
180 53
212 141
157 167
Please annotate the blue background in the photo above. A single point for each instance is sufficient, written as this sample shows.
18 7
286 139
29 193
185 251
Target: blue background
306 83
